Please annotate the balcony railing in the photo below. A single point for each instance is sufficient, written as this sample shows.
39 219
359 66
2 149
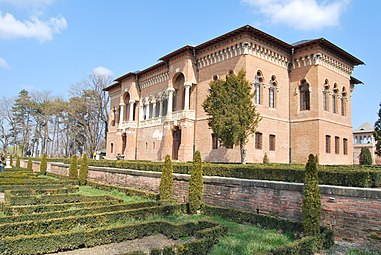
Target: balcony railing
173 116
128 124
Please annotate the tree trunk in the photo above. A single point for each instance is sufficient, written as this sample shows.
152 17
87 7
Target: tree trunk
243 152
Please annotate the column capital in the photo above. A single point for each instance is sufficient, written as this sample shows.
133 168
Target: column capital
170 89
122 104
131 101
188 84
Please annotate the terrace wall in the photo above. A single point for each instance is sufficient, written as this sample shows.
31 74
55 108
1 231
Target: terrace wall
353 213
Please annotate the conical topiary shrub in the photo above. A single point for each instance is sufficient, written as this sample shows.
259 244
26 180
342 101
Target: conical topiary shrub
166 181
30 164
196 184
83 170
17 162
73 169
311 199
43 164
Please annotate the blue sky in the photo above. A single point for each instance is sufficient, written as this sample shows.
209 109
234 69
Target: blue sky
54 44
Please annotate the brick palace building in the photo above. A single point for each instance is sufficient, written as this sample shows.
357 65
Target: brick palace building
303 94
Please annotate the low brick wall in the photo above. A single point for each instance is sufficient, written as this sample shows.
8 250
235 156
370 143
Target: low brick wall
353 213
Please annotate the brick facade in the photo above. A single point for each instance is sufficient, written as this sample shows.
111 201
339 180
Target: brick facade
158 111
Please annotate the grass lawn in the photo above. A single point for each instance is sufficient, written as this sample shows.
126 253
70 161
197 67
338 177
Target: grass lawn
239 238
90 191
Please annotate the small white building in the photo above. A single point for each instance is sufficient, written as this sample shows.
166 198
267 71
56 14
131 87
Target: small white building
363 137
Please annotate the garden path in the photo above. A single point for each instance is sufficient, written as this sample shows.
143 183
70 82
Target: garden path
1 197
144 244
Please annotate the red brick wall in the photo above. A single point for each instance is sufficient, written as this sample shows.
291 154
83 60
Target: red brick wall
353 213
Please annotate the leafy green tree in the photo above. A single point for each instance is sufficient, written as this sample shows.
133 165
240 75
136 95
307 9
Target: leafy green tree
30 164
311 198
73 169
377 133
166 180
365 156
233 116
43 164
196 184
83 170
17 162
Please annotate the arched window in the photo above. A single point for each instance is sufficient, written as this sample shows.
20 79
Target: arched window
304 90
179 93
257 87
272 89
343 101
326 96
334 98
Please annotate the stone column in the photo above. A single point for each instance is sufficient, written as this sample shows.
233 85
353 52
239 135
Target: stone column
141 111
147 110
187 86
160 107
122 105
170 100
131 117
153 109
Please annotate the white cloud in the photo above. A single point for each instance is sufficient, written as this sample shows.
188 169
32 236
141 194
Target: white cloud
28 3
301 14
3 63
103 71
11 28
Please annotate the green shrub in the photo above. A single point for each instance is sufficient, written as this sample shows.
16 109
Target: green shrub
311 199
365 156
17 162
166 180
196 184
83 170
266 159
43 165
73 169
30 164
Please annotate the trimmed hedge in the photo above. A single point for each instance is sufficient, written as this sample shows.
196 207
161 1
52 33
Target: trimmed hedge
42 191
125 190
48 243
28 209
32 186
85 222
76 212
305 246
342 175
54 199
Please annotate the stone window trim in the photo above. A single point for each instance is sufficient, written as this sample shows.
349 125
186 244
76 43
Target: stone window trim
326 94
258 84
273 88
304 95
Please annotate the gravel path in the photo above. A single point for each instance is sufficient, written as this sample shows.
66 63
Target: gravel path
144 244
